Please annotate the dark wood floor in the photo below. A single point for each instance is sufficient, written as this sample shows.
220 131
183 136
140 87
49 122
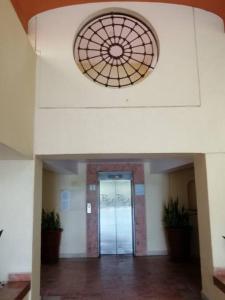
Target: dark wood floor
121 278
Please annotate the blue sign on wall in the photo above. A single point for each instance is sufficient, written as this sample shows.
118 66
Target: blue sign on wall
139 189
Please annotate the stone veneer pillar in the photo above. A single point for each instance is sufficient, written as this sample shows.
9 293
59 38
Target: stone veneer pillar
92 197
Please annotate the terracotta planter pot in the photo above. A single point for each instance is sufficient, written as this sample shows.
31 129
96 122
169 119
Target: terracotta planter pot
50 243
179 241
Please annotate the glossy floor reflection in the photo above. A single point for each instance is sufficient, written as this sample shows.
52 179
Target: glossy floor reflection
121 278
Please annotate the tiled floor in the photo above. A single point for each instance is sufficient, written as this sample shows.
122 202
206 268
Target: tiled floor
121 278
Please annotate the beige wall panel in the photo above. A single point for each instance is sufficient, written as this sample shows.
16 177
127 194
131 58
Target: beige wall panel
17 82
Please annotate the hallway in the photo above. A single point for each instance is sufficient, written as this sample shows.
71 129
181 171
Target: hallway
120 278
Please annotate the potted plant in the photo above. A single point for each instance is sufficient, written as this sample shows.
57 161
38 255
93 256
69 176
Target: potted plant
50 237
177 229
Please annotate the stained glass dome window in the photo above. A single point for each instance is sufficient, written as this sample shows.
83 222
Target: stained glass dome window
116 50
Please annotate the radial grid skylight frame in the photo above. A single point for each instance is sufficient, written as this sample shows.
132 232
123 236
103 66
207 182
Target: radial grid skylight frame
116 49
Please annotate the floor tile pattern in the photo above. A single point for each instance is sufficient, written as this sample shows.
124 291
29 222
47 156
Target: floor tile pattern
121 278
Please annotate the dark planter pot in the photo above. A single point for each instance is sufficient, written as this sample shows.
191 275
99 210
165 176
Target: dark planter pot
50 242
179 241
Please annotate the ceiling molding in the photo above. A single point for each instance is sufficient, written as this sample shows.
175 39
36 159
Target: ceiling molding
26 9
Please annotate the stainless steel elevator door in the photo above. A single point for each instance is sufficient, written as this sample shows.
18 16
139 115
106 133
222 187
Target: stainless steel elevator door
116 233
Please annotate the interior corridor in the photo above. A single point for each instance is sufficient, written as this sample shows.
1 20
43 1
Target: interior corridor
121 278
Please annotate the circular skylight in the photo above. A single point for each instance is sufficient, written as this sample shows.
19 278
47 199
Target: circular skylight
116 50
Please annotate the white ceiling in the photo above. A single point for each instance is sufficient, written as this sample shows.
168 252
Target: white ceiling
158 165
61 166
167 165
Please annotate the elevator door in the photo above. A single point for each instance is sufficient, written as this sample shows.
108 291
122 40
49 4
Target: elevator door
116 233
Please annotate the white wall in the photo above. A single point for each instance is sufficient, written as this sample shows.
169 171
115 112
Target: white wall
175 110
215 164
61 84
36 245
170 129
74 219
7 153
209 174
178 181
208 288
17 82
16 216
156 194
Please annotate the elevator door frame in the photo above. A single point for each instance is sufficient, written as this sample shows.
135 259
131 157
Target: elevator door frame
125 174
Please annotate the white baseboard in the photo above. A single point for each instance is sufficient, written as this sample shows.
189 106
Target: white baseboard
72 255
157 252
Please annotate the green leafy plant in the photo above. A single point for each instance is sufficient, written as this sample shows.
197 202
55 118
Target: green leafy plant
175 216
50 221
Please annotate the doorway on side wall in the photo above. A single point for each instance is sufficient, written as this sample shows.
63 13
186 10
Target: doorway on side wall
116 234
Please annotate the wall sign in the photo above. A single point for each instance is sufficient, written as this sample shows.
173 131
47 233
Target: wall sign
65 200
139 189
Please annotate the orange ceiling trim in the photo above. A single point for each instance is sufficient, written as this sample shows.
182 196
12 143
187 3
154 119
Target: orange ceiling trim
26 9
